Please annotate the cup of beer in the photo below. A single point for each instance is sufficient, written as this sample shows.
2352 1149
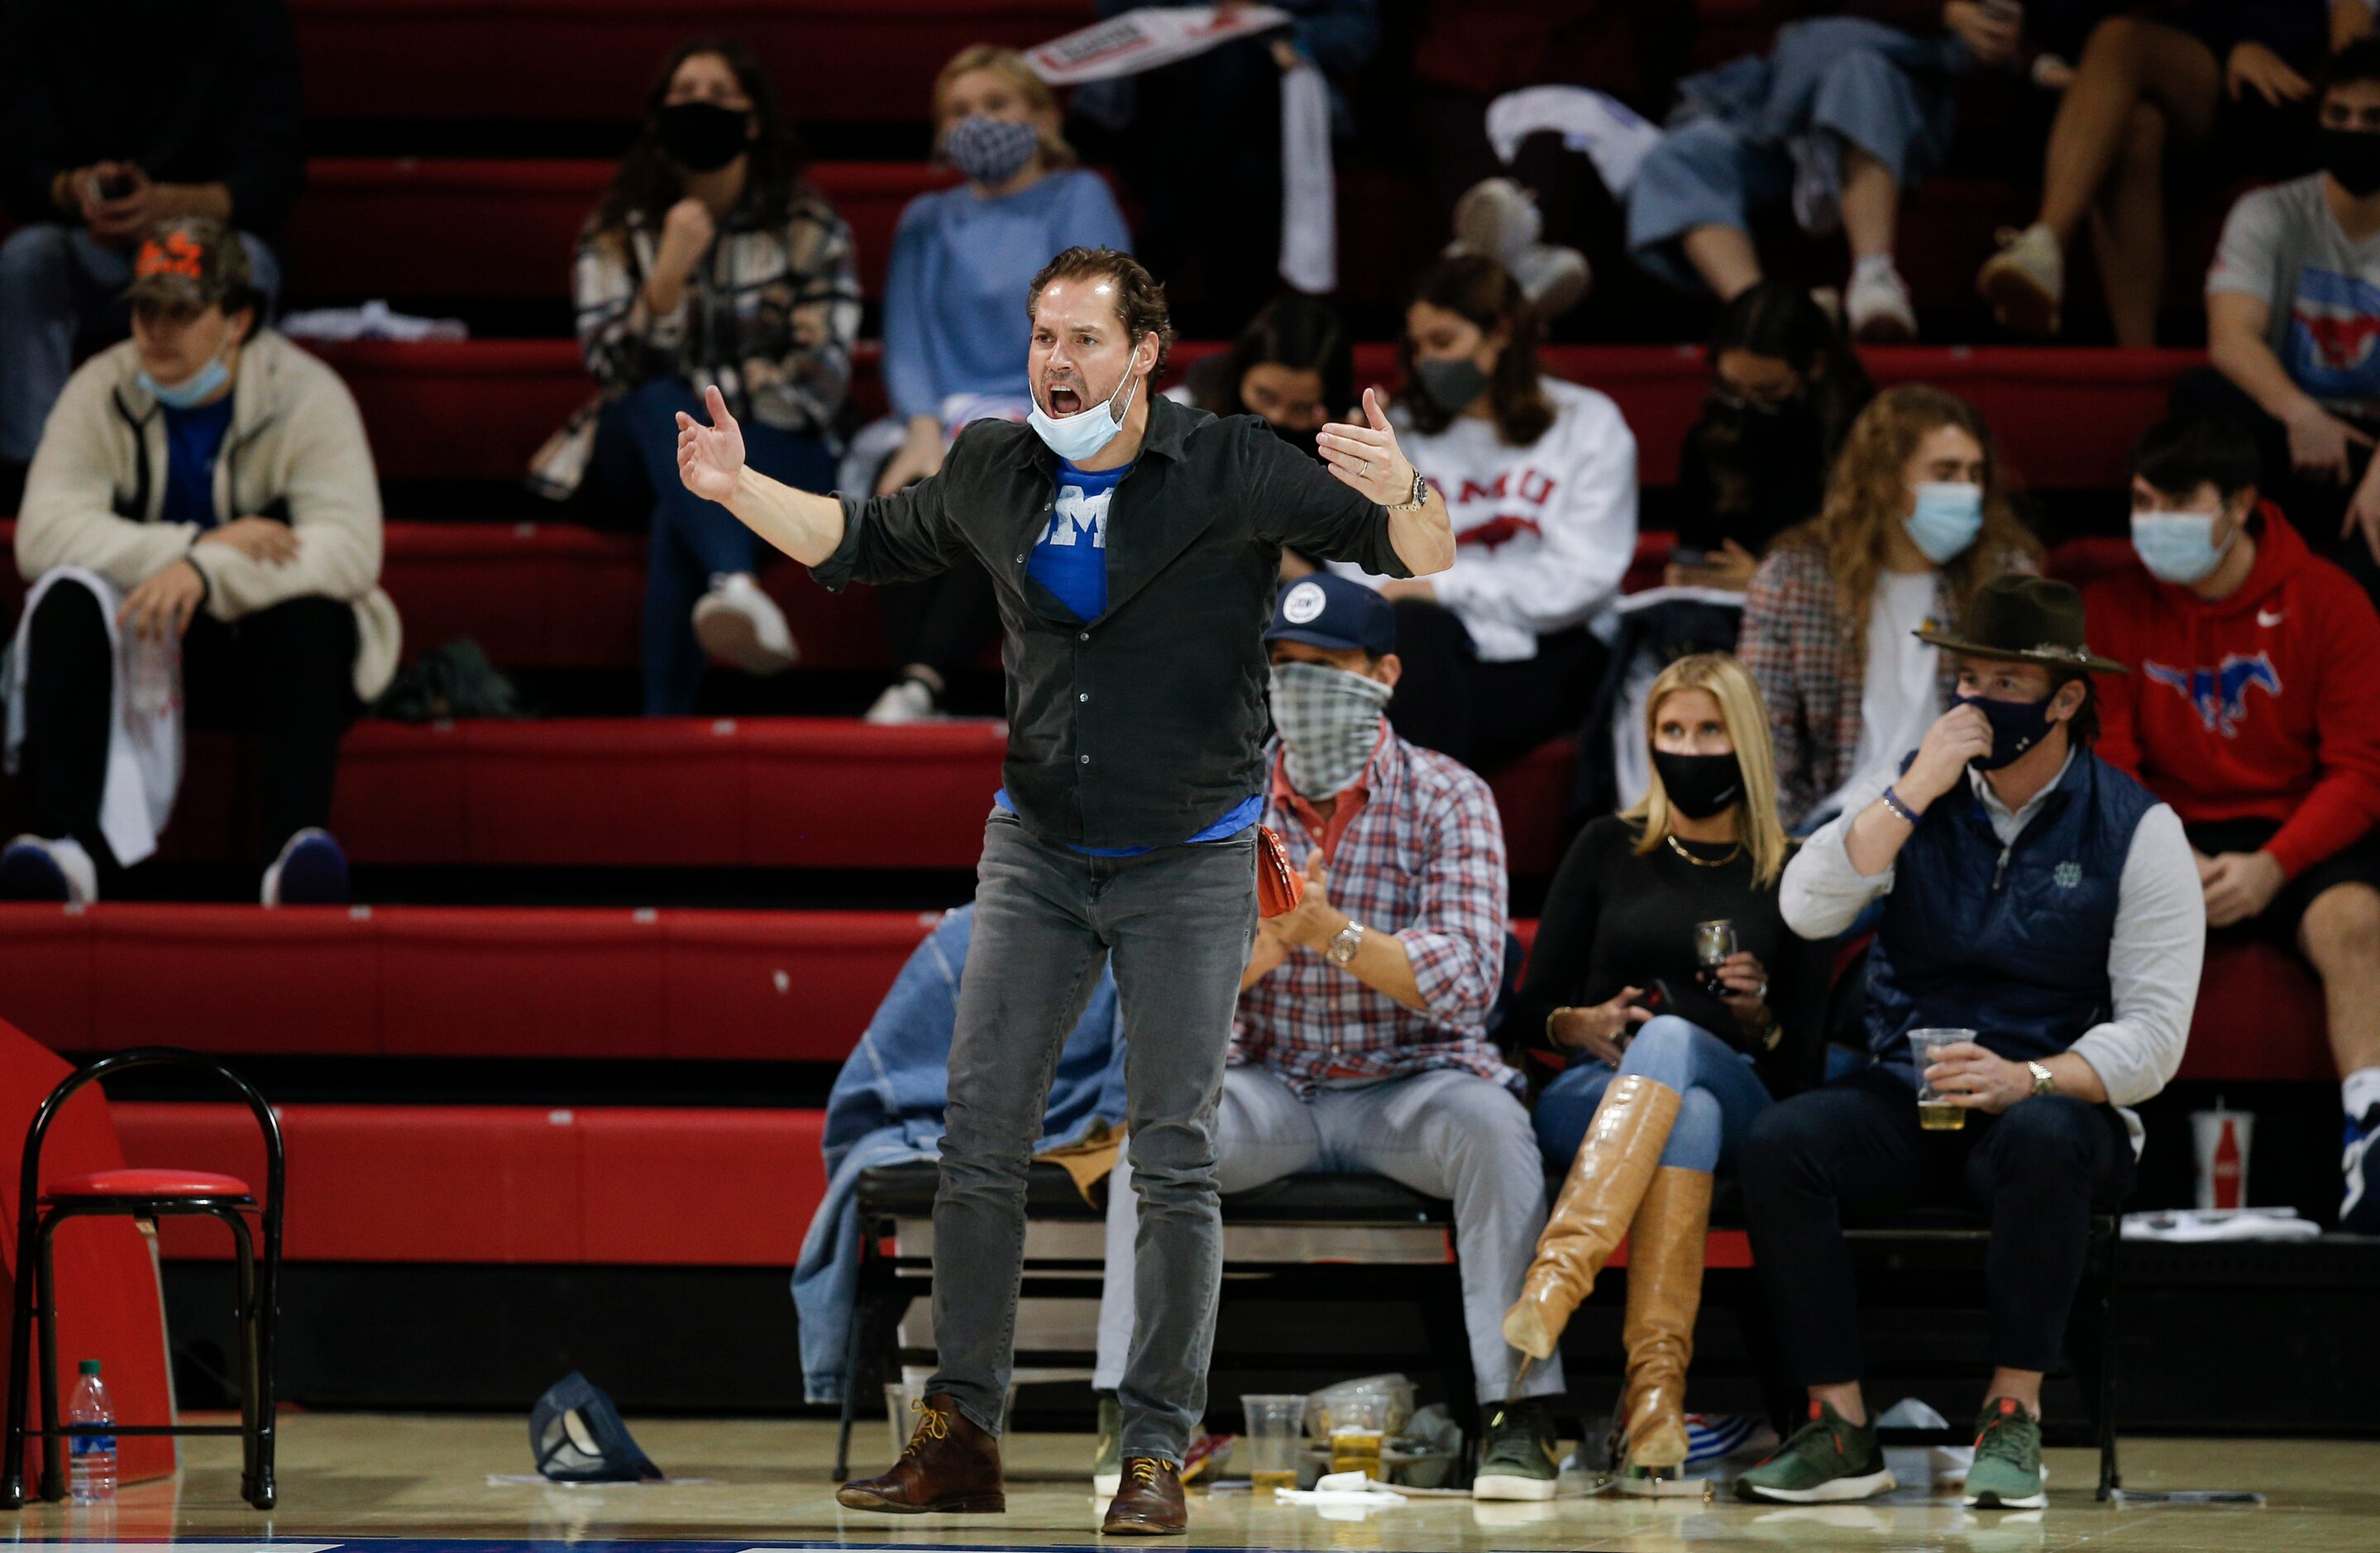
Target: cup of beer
1276 1427
1358 1426
1714 942
1935 1112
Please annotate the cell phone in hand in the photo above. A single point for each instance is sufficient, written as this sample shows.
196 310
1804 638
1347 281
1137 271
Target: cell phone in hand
1686 555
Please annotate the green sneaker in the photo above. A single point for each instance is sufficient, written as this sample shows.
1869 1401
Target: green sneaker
1519 1456
1107 1466
1828 1459
2008 1472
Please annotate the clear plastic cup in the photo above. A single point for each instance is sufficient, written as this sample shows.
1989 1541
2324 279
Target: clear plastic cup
1358 1425
1276 1429
1935 1112
900 1412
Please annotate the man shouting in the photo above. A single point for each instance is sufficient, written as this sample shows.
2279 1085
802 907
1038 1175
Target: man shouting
1133 544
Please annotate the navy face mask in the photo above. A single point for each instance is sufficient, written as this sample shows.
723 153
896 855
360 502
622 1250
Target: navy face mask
2017 727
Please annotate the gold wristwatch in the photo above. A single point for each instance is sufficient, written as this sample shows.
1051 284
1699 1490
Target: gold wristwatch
1343 947
2043 1081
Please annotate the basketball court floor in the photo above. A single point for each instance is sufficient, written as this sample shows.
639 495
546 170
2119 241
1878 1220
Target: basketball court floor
368 1484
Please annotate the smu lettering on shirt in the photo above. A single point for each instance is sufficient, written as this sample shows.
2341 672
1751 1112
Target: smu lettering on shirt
2334 345
1070 559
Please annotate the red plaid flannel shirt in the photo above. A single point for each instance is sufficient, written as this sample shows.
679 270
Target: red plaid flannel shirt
1417 849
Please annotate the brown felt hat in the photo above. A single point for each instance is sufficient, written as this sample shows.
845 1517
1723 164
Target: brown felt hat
2024 620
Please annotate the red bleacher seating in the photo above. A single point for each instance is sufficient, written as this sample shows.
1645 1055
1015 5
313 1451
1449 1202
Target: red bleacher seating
653 1186
2066 419
868 61
508 229
435 981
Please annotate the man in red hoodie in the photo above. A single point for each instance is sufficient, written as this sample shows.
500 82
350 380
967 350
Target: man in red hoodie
2256 715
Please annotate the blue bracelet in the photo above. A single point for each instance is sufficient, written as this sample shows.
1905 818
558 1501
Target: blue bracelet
1892 801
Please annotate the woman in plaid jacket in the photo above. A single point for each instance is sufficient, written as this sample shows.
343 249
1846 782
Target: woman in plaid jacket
709 261
1917 516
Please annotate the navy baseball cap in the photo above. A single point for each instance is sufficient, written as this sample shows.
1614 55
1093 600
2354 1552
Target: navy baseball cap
1331 612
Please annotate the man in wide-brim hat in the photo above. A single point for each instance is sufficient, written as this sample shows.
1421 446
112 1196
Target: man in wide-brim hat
2046 904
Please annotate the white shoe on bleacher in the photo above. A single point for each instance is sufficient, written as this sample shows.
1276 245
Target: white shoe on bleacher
739 624
905 702
37 868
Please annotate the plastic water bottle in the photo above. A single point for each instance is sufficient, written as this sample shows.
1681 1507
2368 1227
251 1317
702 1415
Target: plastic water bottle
90 1475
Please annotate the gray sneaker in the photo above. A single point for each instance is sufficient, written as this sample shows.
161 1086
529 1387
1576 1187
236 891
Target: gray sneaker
1519 1455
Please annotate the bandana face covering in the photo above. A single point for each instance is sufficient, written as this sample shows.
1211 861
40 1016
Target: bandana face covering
990 151
1329 723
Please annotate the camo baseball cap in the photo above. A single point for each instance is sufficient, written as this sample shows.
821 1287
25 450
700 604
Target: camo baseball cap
191 262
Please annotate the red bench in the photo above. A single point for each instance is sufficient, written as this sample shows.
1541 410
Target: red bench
452 230
2067 418
462 981
870 61
602 1185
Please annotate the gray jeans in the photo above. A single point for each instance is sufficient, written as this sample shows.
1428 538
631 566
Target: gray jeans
1179 922
1445 1134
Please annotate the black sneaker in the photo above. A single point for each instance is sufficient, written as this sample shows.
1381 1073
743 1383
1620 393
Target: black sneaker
1519 1455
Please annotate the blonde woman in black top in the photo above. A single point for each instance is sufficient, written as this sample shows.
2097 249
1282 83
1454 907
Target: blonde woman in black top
1661 1075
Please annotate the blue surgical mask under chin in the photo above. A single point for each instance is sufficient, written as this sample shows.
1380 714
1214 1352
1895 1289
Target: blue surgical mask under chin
2179 547
1946 519
1082 434
192 391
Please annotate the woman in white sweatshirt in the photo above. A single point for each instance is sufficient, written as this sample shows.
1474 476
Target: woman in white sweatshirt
1502 650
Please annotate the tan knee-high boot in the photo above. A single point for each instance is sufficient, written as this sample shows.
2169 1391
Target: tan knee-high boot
1598 1199
1665 1291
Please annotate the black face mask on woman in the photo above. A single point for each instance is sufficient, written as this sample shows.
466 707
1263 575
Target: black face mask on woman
2351 157
1699 785
703 136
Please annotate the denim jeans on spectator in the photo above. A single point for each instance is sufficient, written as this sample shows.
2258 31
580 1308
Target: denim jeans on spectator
1178 922
1853 1147
58 283
1719 1095
1445 1134
693 540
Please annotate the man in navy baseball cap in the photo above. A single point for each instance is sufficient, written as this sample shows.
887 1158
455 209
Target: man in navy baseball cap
1335 614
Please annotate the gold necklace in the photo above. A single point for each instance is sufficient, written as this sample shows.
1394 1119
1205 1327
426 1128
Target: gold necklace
1675 845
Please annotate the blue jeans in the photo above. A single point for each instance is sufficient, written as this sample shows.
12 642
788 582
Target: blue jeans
58 283
694 541
1719 1095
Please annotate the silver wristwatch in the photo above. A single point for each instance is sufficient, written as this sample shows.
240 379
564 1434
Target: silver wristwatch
1418 499
1343 948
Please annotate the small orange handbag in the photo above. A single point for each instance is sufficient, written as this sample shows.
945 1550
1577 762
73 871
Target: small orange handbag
1279 886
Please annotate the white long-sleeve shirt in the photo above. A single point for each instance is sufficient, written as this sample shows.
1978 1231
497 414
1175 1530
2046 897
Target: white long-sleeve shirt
1543 533
2152 959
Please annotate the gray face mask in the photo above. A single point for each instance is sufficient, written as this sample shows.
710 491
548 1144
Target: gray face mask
1329 723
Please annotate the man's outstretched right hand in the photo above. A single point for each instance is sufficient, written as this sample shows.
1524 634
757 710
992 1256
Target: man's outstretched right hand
711 459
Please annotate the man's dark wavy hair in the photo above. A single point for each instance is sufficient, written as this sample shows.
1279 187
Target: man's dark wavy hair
1140 300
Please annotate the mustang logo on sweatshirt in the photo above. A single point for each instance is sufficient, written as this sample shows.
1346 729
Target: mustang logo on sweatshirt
2220 695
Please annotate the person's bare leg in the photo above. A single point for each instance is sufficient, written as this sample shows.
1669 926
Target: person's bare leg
1725 258
2341 934
1845 1397
2128 229
2023 1385
1870 203
2125 61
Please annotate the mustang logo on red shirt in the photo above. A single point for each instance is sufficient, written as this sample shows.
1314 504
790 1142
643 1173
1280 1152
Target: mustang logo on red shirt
2220 696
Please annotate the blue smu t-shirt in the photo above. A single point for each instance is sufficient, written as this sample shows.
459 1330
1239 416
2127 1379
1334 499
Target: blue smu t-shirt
192 439
1070 559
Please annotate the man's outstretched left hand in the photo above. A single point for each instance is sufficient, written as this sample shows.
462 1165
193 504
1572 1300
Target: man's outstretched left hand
1367 457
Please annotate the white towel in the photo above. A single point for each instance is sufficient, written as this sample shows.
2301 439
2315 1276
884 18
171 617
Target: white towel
144 741
1612 135
1309 198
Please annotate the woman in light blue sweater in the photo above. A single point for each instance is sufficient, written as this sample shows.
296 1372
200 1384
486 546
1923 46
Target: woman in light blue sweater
954 328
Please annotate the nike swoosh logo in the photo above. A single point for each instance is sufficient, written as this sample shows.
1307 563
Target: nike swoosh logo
2270 617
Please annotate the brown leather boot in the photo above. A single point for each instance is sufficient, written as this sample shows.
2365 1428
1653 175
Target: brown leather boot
949 1465
1665 1291
1149 1502
1598 1201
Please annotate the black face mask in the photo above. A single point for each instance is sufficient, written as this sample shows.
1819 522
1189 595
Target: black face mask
704 136
2350 156
1450 384
1699 785
1302 441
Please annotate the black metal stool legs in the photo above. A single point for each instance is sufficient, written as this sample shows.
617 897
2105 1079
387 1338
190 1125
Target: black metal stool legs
45 1287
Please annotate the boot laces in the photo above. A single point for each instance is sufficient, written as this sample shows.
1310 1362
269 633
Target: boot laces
932 1424
1143 1470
